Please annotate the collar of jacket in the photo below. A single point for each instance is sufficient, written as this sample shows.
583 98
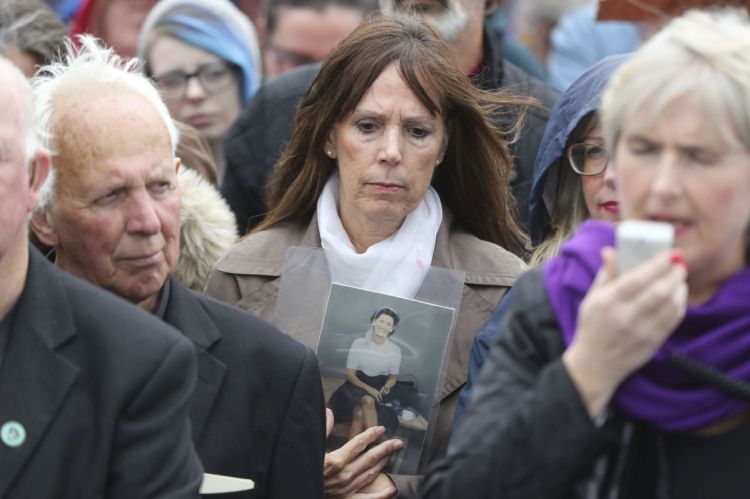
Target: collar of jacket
484 263
185 312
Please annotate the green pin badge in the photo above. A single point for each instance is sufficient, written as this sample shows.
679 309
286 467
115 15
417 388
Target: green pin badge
13 434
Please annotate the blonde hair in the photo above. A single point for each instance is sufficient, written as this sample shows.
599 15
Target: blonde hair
701 52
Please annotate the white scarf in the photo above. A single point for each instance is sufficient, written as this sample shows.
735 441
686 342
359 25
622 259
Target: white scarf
395 266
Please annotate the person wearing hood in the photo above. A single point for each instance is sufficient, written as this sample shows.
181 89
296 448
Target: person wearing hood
205 59
571 184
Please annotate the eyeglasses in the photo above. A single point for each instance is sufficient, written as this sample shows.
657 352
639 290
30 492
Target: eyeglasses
588 159
213 77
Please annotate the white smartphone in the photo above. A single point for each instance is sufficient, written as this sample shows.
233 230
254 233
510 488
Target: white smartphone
639 240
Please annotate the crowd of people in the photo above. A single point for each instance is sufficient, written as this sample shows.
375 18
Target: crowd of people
159 161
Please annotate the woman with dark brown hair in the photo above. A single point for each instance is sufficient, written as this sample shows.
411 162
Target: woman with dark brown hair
394 166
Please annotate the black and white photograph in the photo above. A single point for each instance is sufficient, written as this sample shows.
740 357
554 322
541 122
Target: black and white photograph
381 358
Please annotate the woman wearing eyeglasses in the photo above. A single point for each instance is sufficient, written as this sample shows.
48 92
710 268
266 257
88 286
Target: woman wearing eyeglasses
571 180
204 57
571 184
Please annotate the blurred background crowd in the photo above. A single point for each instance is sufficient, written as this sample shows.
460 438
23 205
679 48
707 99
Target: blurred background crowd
502 139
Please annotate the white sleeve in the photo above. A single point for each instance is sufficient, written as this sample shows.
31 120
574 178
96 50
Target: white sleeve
354 359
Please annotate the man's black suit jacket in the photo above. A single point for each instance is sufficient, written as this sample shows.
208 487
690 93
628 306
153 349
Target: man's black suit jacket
103 391
258 408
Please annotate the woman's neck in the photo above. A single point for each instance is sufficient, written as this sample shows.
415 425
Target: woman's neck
364 232
377 339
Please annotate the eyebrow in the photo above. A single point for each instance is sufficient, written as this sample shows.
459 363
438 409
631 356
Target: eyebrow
378 114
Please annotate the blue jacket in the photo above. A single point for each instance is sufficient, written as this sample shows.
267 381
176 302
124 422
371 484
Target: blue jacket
581 98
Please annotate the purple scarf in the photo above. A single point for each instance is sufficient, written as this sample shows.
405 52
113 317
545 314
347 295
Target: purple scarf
716 333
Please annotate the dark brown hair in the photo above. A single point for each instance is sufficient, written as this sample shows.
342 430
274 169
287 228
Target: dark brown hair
472 180
194 151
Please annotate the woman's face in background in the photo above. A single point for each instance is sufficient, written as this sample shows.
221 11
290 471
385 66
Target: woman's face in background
383 325
599 190
678 170
211 111
120 23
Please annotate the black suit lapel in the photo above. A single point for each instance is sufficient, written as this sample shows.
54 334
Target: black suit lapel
186 313
34 378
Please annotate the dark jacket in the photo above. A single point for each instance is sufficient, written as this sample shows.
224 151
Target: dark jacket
258 409
528 435
103 391
256 140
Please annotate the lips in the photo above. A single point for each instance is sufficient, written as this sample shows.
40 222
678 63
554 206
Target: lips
200 120
385 187
611 206
680 225
144 259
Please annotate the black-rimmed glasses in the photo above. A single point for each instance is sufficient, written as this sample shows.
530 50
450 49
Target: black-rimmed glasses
213 77
588 159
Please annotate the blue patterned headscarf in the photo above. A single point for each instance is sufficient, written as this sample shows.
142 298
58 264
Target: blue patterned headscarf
216 26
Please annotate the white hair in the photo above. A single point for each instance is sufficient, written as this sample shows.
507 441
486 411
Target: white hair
701 53
81 68
450 23
26 108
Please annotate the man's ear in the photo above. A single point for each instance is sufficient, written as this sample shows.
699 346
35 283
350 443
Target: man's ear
39 170
44 229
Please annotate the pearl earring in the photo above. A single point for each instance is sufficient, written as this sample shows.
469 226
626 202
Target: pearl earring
330 153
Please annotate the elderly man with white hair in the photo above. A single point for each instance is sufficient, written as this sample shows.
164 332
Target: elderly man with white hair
111 213
95 393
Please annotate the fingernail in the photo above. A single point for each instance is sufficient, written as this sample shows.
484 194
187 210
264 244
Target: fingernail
677 258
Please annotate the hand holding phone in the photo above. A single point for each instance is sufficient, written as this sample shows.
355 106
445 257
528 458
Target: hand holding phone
639 240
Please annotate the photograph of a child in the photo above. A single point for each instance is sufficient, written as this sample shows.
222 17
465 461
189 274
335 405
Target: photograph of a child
381 357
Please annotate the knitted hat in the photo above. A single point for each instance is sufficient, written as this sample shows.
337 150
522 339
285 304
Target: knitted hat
216 26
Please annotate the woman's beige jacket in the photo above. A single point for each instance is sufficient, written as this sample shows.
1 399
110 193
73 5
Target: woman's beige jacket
249 276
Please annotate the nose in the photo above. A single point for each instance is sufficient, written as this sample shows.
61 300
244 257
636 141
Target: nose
390 151
610 176
194 89
141 215
666 179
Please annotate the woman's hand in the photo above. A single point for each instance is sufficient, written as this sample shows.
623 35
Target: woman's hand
389 383
349 469
374 393
381 487
622 322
